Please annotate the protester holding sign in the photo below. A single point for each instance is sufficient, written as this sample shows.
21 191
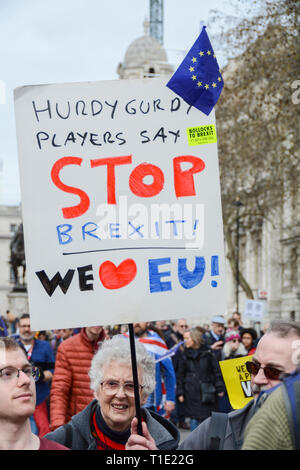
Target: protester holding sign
105 424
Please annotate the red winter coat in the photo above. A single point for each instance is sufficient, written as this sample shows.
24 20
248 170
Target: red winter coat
70 389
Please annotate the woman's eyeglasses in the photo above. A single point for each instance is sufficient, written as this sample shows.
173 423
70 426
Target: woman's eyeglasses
113 386
270 372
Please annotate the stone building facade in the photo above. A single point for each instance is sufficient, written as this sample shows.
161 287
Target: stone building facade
10 218
259 154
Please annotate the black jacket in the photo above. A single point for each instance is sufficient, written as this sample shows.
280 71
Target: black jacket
196 366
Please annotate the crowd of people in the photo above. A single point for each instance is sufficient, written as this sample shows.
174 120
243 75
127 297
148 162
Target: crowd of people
84 394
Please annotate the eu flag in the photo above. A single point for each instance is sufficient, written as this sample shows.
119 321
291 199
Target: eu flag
3 329
198 79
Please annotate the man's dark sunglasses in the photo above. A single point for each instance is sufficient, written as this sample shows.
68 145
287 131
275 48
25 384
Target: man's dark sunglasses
270 372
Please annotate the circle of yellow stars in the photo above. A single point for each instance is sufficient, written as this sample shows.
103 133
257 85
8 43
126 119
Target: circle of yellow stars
194 77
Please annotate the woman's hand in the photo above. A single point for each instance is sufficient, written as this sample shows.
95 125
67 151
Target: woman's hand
181 398
137 442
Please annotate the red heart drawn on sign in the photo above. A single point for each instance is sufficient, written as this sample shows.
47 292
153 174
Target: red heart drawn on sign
115 277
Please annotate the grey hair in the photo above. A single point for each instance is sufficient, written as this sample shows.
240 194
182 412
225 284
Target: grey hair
118 349
284 328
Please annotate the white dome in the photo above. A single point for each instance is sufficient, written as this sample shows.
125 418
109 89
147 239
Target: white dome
144 57
145 49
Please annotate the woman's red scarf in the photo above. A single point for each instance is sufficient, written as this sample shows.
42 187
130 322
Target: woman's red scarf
116 441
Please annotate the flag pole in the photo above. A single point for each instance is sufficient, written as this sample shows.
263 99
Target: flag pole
135 379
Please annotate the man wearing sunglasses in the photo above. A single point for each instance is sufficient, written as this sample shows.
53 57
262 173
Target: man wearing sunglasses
275 426
18 399
274 355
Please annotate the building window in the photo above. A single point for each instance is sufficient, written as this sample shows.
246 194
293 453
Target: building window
11 275
150 73
292 315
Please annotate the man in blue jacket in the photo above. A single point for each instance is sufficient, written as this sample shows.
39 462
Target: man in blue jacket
164 371
40 354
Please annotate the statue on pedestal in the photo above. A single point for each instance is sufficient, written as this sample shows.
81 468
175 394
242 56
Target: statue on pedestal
17 258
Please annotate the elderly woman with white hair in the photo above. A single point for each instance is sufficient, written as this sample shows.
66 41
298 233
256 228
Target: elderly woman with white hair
108 421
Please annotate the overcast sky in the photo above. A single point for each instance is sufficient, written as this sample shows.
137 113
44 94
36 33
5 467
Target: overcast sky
54 41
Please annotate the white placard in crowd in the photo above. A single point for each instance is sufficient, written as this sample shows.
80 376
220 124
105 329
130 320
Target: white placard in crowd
254 310
121 204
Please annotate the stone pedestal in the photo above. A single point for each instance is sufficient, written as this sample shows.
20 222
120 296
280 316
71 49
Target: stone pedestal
18 302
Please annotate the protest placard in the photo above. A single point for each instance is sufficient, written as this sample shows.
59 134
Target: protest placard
237 381
121 204
254 310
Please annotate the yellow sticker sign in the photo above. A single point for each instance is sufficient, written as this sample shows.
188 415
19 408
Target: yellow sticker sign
202 135
237 380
